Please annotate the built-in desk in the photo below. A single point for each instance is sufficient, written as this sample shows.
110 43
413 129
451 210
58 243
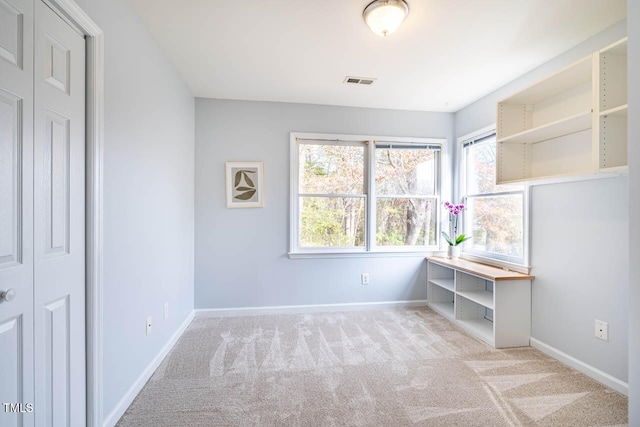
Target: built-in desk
490 303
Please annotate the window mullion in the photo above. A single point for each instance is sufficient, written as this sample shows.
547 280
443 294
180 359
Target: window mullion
406 196
355 195
438 191
370 215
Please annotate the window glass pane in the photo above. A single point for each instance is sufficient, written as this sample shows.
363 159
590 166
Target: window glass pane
481 169
405 222
334 208
332 221
331 169
496 225
401 171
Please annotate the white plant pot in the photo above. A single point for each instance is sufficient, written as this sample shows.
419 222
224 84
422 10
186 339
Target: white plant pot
453 252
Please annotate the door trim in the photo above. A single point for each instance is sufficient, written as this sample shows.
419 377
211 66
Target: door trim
94 38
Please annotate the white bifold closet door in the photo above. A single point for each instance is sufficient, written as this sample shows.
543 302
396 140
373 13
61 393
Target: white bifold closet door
42 217
16 211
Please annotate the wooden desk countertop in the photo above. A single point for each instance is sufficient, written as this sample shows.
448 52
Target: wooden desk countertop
482 270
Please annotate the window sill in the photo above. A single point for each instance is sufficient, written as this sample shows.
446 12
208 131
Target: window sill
363 254
505 265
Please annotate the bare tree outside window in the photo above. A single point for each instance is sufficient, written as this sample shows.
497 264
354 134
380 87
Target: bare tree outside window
404 177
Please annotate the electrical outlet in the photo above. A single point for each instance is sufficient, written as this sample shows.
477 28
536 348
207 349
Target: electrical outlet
602 330
166 310
148 325
365 278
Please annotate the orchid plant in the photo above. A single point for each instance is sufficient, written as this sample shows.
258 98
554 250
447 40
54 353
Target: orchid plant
453 239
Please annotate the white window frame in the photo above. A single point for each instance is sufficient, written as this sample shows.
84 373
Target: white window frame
482 256
370 248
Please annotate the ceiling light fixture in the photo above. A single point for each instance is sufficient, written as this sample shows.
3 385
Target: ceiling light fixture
385 16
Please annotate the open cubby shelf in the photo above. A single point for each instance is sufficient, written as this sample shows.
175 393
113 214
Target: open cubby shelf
572 123
490 303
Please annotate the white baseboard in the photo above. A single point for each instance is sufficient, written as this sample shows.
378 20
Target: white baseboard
131 394
579 365
297 309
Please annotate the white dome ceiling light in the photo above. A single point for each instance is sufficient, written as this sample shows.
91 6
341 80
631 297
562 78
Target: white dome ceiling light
385 16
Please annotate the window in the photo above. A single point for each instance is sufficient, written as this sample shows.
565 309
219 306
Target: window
364 194
405 189
332 194
496 214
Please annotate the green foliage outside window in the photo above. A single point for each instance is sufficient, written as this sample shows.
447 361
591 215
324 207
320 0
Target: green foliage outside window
332 190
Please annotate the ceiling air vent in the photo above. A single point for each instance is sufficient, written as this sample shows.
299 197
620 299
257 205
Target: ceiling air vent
367 81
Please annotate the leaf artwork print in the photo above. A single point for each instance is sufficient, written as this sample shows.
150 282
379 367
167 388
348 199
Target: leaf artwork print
244 188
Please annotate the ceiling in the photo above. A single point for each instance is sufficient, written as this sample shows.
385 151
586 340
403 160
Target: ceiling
446 54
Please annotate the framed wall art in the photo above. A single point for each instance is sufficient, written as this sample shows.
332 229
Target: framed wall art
245 184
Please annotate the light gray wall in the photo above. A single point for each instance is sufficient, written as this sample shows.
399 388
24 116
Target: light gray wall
241 254
578 242
148 197
579 255
633 13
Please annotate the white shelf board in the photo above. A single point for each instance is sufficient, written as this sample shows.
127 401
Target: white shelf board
615 171
571 76
617 48
570 177
484 298
443 283
551 130
445 309
619 111
481 328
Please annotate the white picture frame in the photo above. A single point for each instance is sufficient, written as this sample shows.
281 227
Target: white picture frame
245 184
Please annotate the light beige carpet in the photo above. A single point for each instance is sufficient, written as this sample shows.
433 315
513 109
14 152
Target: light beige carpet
365 368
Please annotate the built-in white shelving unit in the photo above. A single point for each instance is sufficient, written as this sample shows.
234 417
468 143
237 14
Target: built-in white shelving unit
572 123
488 302
440 289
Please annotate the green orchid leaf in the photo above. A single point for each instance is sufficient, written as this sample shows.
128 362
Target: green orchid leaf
245 188
236 180
462 238
446 237
246 195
